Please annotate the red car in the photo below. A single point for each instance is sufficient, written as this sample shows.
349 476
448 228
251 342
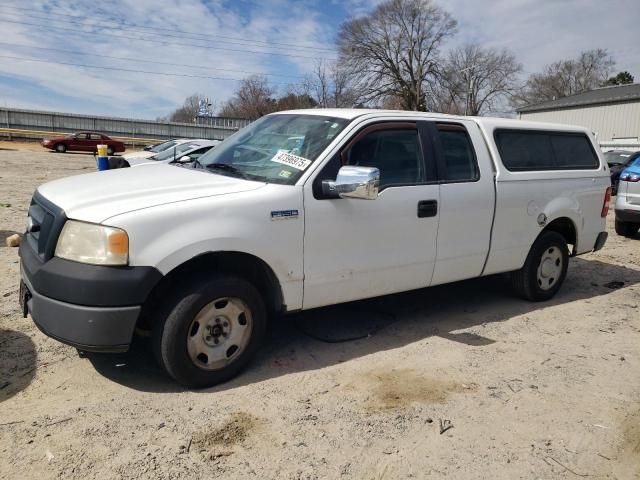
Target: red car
83 142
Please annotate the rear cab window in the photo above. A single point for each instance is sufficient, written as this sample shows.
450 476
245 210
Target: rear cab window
533 150
459 162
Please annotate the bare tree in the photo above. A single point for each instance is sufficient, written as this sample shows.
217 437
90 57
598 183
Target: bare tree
394 50
567 77
188 111
252 99
320 84
477 81
331 86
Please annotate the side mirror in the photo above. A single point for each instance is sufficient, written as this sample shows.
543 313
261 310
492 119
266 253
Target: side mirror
185 159
354 182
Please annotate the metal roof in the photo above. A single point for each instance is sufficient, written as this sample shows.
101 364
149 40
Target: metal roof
604 95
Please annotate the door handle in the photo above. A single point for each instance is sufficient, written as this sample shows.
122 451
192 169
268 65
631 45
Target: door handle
427 208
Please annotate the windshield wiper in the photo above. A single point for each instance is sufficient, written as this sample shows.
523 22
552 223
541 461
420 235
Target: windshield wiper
227 168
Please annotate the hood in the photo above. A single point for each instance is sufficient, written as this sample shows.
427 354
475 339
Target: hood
135 161
55 139
95 197
138 155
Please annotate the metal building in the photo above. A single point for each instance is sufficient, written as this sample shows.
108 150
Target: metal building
612 113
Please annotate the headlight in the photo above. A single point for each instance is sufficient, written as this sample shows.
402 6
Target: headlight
94 244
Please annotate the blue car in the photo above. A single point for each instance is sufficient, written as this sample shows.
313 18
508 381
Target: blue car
628 201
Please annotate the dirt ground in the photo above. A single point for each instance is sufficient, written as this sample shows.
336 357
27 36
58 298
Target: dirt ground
360 391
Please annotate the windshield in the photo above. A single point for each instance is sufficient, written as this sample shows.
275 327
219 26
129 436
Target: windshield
163 146
276 148
616 158
177 151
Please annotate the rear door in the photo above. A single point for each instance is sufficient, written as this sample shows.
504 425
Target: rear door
356 248
74 142
466 205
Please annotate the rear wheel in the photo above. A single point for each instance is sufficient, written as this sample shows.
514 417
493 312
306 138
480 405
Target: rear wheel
209 330
544 269
627 229
61 148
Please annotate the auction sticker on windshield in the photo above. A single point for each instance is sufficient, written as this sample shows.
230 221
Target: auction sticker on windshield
294 161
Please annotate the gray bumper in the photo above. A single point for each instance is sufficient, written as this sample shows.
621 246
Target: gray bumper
93 329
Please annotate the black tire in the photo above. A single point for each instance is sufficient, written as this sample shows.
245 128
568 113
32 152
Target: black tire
627 229
110 151
526 282
175 324
60 148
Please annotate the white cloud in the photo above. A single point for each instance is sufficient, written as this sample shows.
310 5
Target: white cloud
538 32
117 92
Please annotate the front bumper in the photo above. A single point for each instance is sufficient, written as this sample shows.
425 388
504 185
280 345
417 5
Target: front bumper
628 215
91 307
93 329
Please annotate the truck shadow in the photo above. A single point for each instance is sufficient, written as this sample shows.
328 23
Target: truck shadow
331 335
17 362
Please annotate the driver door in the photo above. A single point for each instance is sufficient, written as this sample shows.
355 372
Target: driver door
356 248
80 142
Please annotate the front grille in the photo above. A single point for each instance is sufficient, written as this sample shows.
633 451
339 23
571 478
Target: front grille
47 220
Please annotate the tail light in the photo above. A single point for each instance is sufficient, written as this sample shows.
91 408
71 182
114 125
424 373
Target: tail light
630 177
605 204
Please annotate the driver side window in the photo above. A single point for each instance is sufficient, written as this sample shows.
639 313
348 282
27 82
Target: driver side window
395 152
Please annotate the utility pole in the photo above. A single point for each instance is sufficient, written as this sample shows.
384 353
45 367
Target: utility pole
470 80
469 94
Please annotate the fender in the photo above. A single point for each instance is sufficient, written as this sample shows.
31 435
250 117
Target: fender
166 237
564 207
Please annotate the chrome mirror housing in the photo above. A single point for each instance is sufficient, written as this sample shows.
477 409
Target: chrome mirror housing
354 182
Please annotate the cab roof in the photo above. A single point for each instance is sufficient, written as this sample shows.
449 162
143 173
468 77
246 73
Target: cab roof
490 123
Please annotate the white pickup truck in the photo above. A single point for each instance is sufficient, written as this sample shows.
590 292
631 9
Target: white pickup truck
369 203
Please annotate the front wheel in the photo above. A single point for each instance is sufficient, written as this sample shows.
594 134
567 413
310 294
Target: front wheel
211 329
544 269
627 229
110 151
61 148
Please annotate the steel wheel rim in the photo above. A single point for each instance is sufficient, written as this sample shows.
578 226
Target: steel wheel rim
219 333
549 268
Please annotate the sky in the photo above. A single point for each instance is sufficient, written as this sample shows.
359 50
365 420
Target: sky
142 58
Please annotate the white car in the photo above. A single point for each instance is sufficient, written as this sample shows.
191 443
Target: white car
628 201
372 202
146 153
183 153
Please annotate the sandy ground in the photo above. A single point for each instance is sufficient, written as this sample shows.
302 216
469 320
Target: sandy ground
531 391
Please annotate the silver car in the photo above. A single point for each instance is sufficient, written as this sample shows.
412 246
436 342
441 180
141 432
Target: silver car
184 153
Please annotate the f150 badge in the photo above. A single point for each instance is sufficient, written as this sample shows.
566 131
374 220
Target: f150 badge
284 214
